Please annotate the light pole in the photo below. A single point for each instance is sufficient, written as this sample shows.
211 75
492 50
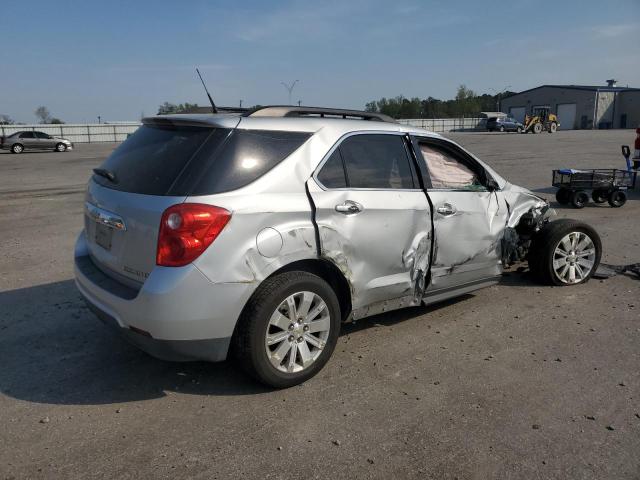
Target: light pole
290 88
99 119
498 93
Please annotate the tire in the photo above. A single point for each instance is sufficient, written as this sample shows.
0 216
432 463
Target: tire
617 198
260 360
17 148
546 262
563 196
61 147
579 198
599 196
553 127
502 128
519 130
537 128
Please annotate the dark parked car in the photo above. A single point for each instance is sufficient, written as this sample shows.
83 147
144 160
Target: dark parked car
28 140
504 124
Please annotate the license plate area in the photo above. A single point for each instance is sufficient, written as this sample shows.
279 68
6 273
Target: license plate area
104 235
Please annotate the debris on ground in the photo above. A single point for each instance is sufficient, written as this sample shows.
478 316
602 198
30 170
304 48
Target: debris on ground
607 271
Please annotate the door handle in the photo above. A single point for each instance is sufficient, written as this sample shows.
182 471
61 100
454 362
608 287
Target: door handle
446 209
349 207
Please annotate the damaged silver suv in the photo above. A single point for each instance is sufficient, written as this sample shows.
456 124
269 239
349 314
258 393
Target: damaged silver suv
254 236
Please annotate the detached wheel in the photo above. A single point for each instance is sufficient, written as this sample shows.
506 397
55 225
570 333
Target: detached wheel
537 128
61 147
553 127
563 196
617 198
579 199
288 330
565 252
17 148
599 196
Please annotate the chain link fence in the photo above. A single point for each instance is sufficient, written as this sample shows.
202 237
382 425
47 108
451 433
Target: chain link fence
440 125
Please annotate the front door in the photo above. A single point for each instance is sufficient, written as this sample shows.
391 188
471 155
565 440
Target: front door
374 220
469 219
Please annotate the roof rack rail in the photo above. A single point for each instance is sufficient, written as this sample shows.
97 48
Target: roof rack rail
292 111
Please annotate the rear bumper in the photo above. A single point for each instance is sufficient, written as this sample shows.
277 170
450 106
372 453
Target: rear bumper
177 314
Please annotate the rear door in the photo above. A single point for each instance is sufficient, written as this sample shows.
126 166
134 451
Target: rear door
374 219
468 218
28 140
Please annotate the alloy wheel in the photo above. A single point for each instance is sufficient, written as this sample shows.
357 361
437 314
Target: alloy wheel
574 257
298 331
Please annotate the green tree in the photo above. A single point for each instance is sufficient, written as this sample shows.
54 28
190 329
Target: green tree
56 121
43 114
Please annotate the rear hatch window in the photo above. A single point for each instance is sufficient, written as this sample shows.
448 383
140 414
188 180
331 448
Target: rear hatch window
189 160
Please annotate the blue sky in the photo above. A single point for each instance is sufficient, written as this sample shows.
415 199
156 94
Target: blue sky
119 59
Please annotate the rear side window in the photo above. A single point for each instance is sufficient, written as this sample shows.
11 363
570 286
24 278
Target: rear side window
245 157
377 161
151 159
332 174
41 135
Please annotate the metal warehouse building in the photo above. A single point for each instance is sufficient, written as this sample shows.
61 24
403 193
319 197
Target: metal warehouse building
580 107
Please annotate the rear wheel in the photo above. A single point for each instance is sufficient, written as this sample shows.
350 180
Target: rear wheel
565 252
61 147
599 196
563 196
617 198
17 148
537 128
553 127
288 330
579 199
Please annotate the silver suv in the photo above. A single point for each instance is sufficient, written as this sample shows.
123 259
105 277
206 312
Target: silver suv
256 235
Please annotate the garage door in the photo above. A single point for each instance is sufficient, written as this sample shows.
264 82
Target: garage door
567 116
517 113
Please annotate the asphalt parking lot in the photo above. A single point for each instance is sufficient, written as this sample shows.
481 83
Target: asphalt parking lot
515 381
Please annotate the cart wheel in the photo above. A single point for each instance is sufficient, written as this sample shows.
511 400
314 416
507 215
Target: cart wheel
579 199
563 196
599 196
617 198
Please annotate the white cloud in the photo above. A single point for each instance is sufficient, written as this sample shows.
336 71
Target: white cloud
612 31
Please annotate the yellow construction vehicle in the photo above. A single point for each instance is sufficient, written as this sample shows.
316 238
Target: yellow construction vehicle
542 119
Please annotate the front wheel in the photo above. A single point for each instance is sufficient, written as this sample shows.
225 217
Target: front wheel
565 252
537 128
17 148
288 330
519 129
553 127
563 196
61 147
579 199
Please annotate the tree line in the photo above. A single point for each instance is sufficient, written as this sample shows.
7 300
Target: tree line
465 104
42 113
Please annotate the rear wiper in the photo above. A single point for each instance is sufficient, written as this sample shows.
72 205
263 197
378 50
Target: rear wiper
103 172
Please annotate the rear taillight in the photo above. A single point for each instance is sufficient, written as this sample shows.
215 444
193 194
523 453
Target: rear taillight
186 230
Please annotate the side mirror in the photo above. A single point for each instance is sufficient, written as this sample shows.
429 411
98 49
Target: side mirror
492 185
